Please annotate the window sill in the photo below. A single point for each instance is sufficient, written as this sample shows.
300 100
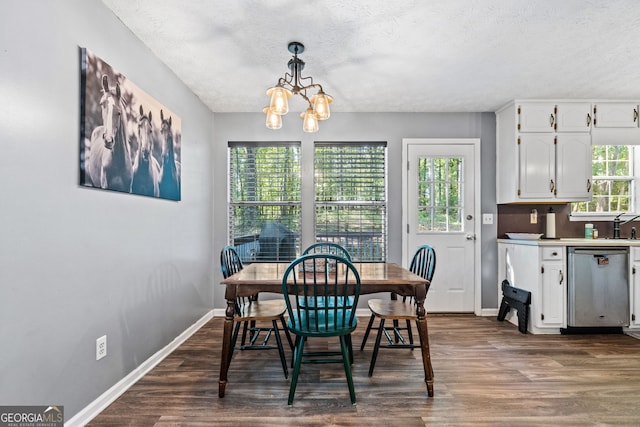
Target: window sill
585 217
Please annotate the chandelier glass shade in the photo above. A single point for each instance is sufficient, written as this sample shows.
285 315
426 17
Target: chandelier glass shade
292 84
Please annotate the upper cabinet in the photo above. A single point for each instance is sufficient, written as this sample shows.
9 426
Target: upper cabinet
544 152
554 117
615 115
615 123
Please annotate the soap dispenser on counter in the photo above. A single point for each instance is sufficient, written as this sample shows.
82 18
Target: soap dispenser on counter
551 225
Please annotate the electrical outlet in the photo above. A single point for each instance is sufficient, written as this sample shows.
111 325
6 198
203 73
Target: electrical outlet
487 218
101 347
533 218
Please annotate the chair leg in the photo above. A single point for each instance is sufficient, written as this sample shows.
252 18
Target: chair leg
347 367
350 345
366 334
286 332
295 350
296 368
409 333
376 347
244 334
283 358
396 331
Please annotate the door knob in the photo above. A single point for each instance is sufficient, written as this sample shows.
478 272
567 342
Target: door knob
469 217
471 237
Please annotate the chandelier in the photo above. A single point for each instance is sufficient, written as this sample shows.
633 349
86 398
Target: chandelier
291 83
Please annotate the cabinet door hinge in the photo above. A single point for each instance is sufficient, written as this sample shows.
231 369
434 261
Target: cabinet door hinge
541 316
542 269
555 140
518 191
633 270
518 137
633 317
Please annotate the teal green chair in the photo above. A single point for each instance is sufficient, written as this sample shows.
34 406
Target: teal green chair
327 248
324 248
331 278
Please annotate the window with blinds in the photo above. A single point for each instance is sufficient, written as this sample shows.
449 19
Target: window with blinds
265 200
351 198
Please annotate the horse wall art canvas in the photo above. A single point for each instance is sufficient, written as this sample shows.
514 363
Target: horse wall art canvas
129 142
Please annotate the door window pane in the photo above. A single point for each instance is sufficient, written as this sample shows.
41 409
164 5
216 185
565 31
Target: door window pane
440 190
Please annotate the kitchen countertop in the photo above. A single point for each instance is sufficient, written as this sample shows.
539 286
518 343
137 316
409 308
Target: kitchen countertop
574 241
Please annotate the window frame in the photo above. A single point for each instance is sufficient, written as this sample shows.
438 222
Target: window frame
381 238
633 178
253 240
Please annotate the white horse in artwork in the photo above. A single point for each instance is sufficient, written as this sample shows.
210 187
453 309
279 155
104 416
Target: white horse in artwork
109 164
146 169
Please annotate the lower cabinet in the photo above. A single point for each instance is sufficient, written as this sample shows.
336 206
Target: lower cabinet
634 289
540 270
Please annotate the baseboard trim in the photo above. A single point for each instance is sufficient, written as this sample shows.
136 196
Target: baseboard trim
364 312
489 312
108 397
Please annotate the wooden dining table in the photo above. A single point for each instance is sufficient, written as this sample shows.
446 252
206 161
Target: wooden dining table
375 277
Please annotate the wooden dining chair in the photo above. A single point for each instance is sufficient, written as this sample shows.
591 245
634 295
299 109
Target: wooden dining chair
324 248
249 311
423 264
333 278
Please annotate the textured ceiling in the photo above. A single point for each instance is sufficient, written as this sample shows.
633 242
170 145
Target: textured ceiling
395 55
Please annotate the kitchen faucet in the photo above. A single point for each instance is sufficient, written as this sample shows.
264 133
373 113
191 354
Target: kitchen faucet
617 223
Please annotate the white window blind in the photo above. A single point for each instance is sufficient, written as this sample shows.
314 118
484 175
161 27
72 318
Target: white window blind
264 200
351 197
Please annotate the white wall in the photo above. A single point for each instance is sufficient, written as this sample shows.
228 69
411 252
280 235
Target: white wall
77 263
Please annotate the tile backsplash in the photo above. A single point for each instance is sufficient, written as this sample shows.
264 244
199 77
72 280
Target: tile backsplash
516 219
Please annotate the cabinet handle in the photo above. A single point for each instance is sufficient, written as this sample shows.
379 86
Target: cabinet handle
552 120
552 186
588 119
588 185
561 277
635 115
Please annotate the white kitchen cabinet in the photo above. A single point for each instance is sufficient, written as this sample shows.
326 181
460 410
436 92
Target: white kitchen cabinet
540 270
573 117
553 285
634 289
537 162
573 166
537 175
536 117
615 115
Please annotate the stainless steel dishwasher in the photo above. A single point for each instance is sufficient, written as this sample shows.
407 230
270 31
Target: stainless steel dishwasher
598 293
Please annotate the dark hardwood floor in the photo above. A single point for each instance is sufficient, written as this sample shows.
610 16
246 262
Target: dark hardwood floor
486 374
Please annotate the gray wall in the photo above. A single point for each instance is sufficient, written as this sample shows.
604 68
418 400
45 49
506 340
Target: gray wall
390 127
77 263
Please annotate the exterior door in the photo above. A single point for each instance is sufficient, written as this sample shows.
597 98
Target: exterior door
440 211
